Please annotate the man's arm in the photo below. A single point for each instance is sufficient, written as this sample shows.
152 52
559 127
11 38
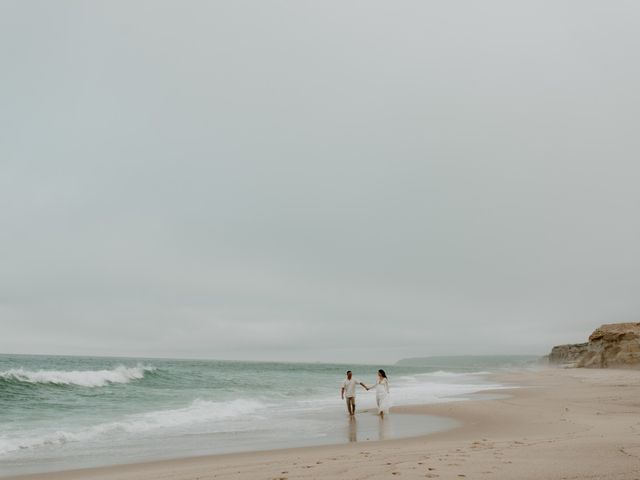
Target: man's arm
364 386
342 393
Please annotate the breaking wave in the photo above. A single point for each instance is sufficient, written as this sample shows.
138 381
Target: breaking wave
83 378
198 412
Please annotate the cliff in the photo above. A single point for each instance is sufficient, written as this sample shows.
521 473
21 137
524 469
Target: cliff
567 354
612 345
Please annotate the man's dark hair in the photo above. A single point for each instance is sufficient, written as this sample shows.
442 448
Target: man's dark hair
349 371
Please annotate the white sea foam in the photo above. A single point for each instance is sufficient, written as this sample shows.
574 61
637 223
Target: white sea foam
440 386
416 389
201 412
84 378
443 373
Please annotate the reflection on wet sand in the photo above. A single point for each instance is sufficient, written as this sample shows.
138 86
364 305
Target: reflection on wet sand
369 427
384 428
353 429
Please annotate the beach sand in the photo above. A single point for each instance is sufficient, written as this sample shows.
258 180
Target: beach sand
560 424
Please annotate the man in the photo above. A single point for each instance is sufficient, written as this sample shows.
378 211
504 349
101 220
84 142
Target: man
349 391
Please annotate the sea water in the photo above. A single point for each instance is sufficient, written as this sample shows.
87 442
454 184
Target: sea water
68 412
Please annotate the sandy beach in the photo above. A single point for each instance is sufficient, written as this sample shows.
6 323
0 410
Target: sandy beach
559 424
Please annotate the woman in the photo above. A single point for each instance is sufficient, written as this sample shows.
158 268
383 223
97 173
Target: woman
382 393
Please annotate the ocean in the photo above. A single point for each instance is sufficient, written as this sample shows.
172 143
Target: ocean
61 412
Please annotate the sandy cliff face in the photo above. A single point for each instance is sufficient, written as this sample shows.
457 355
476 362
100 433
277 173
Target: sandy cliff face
567 354
612 345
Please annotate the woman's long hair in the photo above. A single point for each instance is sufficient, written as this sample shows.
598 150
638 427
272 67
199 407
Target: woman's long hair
382 374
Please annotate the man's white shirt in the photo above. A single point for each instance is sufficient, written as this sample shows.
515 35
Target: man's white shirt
350 387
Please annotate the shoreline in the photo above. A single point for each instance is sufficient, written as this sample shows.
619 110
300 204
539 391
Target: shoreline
553 424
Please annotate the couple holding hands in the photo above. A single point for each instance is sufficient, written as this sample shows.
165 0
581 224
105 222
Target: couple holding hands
383 399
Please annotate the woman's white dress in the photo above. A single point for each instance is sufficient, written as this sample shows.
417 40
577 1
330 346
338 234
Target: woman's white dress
383 399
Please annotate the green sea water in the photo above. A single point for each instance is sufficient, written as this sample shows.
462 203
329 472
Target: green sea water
65 412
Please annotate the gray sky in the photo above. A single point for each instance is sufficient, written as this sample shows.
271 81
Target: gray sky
317 181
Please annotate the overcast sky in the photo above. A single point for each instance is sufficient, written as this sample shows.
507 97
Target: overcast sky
317 181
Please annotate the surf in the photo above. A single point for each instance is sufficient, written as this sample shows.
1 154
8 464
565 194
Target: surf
82 378
199 412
